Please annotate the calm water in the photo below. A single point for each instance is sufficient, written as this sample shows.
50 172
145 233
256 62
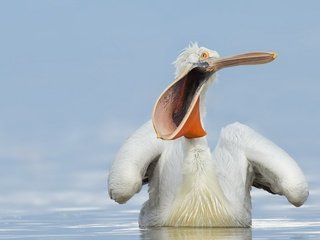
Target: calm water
114 224
85 215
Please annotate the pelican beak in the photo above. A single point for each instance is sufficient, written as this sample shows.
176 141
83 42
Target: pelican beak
177 111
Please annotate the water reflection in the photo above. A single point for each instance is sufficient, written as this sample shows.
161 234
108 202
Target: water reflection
84 224
171 233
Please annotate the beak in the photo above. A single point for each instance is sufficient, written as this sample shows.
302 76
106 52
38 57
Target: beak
177 111
215 64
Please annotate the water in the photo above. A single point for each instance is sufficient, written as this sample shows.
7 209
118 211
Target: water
90 215
96 223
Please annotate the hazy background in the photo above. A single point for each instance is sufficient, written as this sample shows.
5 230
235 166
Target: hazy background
78 77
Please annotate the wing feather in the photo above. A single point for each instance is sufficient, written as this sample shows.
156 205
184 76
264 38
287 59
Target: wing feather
272 168
133 163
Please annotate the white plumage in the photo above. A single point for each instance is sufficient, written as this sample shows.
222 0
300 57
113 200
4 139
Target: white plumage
191 185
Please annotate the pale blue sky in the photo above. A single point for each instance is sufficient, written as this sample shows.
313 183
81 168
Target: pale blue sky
77 77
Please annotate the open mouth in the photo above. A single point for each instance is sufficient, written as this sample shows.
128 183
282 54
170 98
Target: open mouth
177 111
185 91
178 106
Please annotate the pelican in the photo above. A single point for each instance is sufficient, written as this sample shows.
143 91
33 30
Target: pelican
189 184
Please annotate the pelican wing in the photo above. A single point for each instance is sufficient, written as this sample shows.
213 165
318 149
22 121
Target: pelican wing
266 165
134 163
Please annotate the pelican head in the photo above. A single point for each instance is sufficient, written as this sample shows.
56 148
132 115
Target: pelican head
177 111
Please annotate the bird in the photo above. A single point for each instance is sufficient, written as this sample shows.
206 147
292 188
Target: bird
189 183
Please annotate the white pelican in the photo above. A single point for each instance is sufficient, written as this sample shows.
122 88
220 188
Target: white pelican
189 185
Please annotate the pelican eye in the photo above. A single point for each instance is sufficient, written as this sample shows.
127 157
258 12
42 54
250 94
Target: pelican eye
204 55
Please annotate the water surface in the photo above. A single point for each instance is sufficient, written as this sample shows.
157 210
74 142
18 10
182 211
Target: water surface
96 223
